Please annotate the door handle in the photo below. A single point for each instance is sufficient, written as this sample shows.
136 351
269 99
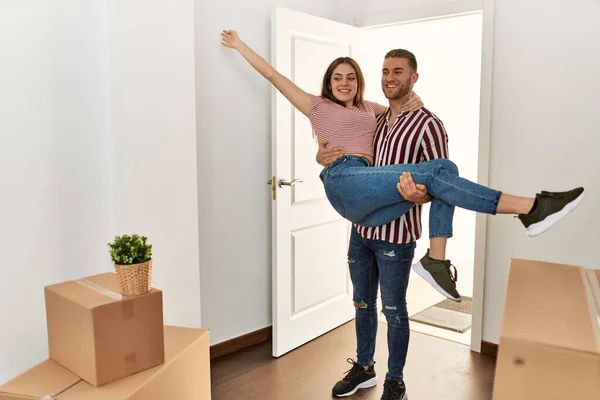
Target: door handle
286 183
282 183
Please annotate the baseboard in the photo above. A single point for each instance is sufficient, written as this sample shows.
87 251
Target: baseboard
265 334
241 342
489 349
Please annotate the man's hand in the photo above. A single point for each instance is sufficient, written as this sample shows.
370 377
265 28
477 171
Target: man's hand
412 104
410 191
327 156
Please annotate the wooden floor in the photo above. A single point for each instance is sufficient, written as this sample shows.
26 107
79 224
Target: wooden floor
436 369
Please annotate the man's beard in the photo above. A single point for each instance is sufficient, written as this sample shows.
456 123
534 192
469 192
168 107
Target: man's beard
401 91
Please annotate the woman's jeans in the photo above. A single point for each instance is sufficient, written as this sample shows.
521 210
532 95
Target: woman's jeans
368 196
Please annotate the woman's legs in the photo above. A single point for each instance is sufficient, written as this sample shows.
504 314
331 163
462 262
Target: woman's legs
369 195
437 247
356 191
434 267
509 204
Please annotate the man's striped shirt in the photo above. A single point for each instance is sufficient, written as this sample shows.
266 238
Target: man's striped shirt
413 138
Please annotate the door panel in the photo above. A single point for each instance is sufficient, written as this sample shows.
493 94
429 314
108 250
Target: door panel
311 288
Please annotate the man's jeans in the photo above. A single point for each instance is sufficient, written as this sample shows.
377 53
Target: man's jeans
368 195
374 262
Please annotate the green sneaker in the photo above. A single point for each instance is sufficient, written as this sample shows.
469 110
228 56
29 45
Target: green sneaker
549 208
442 275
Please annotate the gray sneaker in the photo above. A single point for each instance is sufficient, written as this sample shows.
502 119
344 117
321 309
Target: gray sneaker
549 208
442 275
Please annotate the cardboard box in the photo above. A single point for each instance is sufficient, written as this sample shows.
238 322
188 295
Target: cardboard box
550 340
185 375
100 335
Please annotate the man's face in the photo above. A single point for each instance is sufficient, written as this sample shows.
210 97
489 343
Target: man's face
397 78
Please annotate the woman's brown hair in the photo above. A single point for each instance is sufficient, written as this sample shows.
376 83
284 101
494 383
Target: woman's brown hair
326 91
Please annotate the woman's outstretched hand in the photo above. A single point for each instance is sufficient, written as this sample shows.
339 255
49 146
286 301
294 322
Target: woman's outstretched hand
230 39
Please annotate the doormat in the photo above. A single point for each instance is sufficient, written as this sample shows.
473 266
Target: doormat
465 306
448 315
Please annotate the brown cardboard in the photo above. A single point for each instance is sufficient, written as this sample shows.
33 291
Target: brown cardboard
185 375
100 335
550 341
46 379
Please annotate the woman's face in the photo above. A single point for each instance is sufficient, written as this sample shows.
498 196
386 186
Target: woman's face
344 83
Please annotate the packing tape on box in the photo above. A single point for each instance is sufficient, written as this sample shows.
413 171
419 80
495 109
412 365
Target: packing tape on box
100 289
592 289
595 287
127 309
131 363
47 397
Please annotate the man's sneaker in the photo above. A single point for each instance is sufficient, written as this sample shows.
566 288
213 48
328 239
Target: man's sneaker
357 378
394 390
549 208
442 275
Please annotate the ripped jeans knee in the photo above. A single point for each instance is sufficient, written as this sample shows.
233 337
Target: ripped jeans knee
395 314
360 305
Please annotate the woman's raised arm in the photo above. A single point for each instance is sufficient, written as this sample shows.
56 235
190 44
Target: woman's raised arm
298 97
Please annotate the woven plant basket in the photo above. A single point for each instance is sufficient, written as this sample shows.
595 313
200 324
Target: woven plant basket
135 279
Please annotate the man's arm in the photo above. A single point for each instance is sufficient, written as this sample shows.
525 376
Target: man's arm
326 156
435 140
435 145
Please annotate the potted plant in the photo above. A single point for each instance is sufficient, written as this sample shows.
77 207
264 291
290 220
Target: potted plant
132 257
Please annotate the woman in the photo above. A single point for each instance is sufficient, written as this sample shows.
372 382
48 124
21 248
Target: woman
368 195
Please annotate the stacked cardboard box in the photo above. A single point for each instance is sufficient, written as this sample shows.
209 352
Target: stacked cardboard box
103 345
550 340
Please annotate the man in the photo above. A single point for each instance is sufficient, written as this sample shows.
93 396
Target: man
384 254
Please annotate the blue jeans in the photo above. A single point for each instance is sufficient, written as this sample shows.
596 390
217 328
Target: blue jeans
373 263
368 195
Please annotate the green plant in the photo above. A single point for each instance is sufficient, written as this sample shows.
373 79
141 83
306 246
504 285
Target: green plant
127 250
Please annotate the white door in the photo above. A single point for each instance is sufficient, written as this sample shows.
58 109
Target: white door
312 292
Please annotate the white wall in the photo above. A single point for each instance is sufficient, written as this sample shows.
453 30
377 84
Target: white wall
234 162
544 133
153 123
54 157
97 138
383 12
449 87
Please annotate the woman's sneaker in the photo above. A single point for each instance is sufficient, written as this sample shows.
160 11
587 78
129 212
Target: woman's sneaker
357 378
394 390
440 274
549 208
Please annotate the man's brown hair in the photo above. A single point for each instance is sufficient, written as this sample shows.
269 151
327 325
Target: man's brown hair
401 53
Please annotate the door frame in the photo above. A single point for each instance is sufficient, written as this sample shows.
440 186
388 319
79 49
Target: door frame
438 11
